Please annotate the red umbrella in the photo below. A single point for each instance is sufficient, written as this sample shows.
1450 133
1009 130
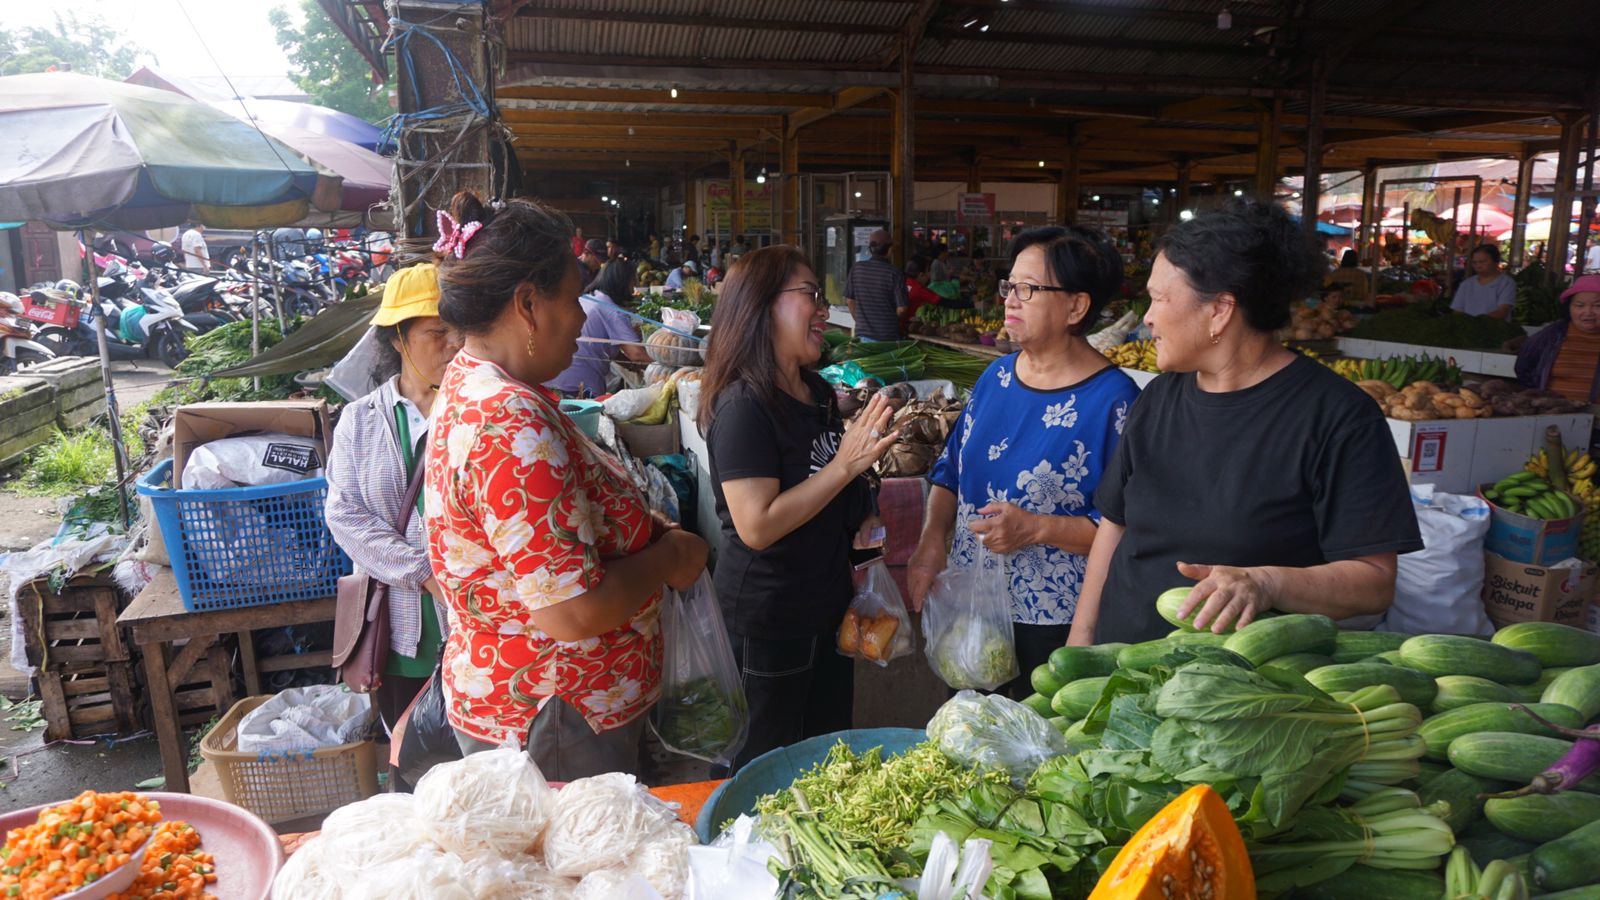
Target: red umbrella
1490 219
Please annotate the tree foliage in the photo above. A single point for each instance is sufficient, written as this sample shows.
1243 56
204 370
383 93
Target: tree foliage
326 66
84 44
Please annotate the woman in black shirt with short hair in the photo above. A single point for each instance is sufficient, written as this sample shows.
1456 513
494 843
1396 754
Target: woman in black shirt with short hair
1254 473
790 495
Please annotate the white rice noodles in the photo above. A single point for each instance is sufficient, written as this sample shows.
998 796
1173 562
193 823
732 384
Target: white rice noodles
494 803
600 823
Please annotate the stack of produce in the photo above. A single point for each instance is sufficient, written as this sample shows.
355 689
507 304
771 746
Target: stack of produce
1526 494
75 844
1537 302
1579 470
646 275
1320 322
1424 400
1399 371
924 426
965 325
1507 398
488 827
1432 327
1139 355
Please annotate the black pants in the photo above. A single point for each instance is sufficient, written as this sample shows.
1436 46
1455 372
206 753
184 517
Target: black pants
1035 643
394 694
795 689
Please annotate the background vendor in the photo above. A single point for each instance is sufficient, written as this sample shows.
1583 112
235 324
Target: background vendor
379 444
1254 473
1019 471
1564 358
1486 291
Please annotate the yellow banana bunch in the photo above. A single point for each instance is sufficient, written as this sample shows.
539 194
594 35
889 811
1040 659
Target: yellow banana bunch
1579 466
1134 355
1345 367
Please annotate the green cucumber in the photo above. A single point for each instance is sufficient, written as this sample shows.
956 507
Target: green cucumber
1513 757
1532 693
1354 646
1302 662
1415 687
1167 607
1459 791
1450 654
1456 691
1586 892
1389 657
1040 703
1543 817
1578 688
1068 664
1060 723
1570 861
1076 699
1439 730
1487 844
1366 883
1044 681
1555 645
1266 640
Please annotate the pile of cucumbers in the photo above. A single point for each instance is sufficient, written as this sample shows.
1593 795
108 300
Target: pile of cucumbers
1526 494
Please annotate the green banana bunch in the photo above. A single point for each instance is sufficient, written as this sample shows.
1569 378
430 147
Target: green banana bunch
1526 494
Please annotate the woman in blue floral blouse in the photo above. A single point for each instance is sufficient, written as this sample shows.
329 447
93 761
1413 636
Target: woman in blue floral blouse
1019 471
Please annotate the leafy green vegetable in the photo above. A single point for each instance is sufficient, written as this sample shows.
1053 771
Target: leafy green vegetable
1431 327
970 654
873 802
698 718
223 348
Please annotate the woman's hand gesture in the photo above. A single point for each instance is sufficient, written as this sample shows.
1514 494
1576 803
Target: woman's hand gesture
868 438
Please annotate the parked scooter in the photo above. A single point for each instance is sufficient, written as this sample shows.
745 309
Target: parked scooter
18 348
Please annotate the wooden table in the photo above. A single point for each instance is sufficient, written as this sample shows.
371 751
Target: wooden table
174 642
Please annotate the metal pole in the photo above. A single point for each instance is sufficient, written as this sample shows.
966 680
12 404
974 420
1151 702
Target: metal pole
255 304
112 416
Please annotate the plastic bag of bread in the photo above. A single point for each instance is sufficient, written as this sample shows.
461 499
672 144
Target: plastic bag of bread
876 627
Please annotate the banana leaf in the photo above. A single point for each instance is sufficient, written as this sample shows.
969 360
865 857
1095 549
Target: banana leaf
321 341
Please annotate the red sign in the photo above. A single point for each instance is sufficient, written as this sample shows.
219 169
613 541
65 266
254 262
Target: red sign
975 206
1427 452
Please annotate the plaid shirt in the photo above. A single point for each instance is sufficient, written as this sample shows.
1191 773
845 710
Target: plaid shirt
366 485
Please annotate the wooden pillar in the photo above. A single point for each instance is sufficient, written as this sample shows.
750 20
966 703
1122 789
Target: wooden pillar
1311 183
1519 209
1370 216
905 179
1185 185
1069 188
1267 150
1591 147
1566 177
422 186
789 166
691 204
736 187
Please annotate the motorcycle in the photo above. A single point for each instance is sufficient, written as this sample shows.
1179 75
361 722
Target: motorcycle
137 325
17 345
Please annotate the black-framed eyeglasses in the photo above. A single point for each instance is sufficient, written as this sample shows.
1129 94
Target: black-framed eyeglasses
1025 291
817 296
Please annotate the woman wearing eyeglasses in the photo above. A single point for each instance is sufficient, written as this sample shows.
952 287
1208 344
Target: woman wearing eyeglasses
1018 473
790 494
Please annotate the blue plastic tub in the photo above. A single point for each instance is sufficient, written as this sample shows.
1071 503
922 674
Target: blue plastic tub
585 414
776 769
246 546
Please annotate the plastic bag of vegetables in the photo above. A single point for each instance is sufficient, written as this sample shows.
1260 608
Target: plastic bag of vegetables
876 627
994 732
967 623
702 711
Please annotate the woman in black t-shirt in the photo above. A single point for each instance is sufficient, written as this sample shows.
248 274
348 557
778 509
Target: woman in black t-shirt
1256 474
790 496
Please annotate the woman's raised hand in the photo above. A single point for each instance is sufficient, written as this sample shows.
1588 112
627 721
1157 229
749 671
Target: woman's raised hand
869 438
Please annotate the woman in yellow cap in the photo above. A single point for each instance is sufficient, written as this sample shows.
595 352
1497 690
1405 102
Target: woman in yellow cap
377 449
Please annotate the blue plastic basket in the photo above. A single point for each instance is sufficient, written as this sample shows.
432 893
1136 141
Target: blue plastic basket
775 770
246 546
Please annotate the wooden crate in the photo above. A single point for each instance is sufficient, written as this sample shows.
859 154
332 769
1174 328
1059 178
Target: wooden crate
85 666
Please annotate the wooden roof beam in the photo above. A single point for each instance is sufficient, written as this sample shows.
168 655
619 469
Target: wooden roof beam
656 97
809 26
843 100
639 119
1052 39
1198 107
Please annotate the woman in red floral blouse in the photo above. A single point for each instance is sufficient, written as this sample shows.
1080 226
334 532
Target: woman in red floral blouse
550 561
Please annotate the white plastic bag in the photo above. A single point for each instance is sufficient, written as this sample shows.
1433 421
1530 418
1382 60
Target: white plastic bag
994 732
967 623
304 719
682 320
876 627
625 406
1439 589
702 711
252 460
946 878
733 865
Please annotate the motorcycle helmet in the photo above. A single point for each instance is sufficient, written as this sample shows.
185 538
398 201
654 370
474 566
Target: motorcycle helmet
114 269
313 234
10 303
67 285
162 253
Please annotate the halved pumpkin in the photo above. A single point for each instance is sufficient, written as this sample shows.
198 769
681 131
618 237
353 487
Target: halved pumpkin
1191 850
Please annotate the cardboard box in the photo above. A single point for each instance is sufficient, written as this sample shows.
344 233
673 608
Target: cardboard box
651 440
1525 539
1518 592
201 423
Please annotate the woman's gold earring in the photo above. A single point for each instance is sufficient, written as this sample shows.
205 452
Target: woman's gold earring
533 352
1213 337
